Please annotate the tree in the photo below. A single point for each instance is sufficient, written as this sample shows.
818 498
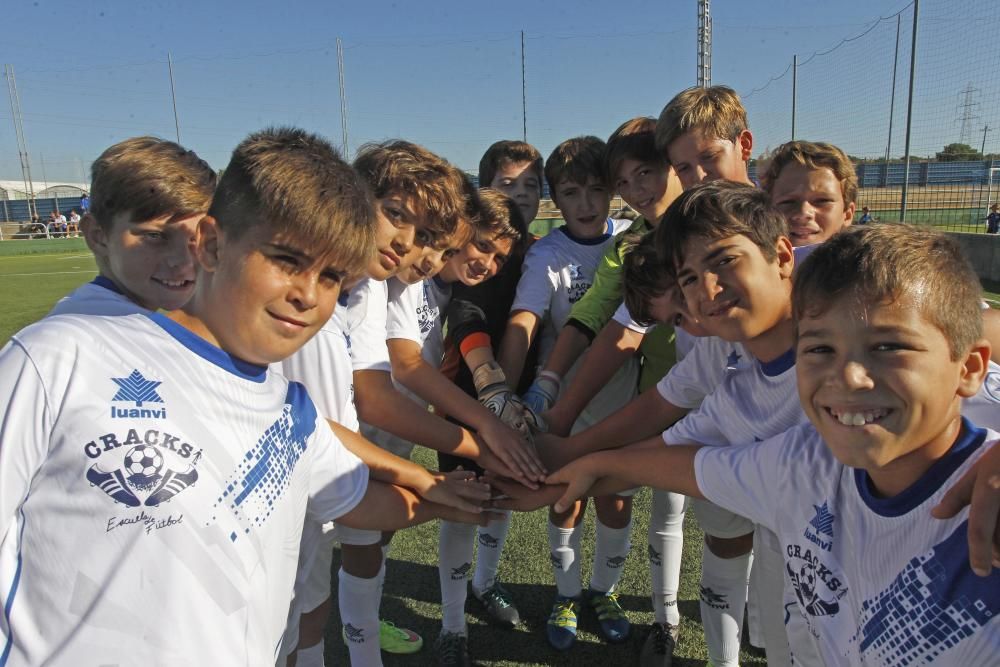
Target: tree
958 153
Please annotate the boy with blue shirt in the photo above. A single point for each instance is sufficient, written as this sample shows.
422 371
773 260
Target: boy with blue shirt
890 356
149 195
204 485
557 271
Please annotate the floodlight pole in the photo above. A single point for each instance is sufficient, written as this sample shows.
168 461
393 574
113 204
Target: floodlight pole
524 100
22 143
795 81
343 100
909 114
173 96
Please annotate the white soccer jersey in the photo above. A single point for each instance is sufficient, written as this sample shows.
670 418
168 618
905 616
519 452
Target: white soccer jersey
153 491
98 297
878 581
364 319
415 313
701 369
983 409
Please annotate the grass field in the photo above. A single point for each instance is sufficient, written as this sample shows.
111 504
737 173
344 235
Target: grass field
35 274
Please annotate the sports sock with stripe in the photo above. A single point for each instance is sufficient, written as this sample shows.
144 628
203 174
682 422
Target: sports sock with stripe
564 544
358 599
610 552
455 547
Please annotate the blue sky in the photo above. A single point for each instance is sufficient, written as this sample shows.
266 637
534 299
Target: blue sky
448 74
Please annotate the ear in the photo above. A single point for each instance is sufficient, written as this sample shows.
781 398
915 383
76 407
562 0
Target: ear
95 236
745 142
785 257
974 369
207 244
849 214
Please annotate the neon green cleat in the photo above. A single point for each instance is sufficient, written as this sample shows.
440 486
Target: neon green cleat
398 640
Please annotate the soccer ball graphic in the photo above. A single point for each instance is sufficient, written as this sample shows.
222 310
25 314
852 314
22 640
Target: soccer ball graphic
143 464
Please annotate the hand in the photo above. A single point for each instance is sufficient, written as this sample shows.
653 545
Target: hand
554 451
979 488
516 496
578 476
496 396
515 453
459 489
542 393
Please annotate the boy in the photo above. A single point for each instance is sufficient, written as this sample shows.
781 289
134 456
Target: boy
188 499
815 187
557 271
866 216
149 195
993 220
415 342
889 347
417 202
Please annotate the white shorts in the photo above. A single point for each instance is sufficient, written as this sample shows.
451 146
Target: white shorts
719 522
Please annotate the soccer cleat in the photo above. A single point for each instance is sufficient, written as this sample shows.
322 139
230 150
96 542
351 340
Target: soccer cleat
615 626
561 628
452 649
398 640
496 600
658 650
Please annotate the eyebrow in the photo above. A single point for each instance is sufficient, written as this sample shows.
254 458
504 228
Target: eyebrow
289 249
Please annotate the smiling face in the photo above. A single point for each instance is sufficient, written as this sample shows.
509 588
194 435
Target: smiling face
150 261
646 187
879 384
736 293
812 202
584 206
478 261
520 182
263 296
700 158
396 220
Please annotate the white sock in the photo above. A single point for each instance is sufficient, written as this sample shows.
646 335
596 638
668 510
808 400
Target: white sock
723 596
564 544
311 656
455 546
358 600
491 538
767 583
610 552
666 544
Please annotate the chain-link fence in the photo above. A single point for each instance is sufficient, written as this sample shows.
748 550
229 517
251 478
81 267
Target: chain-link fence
857 94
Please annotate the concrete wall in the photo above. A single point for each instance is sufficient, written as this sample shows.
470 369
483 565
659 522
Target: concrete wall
983 250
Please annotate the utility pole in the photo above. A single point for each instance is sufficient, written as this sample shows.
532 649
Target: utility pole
22 144
704 78
173 96
524 99
343 101
892 99
966 115
795 81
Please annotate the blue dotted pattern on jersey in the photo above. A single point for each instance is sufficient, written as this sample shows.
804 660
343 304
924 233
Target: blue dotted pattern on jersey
932 605
265 471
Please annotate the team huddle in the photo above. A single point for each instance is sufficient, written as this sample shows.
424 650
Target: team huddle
186 438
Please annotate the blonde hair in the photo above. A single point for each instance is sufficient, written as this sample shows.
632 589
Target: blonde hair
717 111
295 183
149 178
813 155
404 168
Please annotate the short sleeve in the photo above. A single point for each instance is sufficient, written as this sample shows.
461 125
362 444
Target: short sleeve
696 375
367 315
536 286
25 429
702 426
623 317
403 311
338 479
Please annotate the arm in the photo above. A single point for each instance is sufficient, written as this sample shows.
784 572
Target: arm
521 329
410 369
380 404
461 492
387 507
612 348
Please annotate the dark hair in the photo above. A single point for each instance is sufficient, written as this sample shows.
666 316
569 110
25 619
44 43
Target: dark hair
882 263
645 276
576 159
634 139
509 152
719 210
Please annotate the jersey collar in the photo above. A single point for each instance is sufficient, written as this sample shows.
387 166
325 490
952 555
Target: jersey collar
209 352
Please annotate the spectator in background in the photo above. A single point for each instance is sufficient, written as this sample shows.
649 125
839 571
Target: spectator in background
85 203
60 224
993 220
74 223
866 216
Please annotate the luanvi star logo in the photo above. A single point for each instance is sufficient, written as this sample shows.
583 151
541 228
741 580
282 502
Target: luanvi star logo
137 389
